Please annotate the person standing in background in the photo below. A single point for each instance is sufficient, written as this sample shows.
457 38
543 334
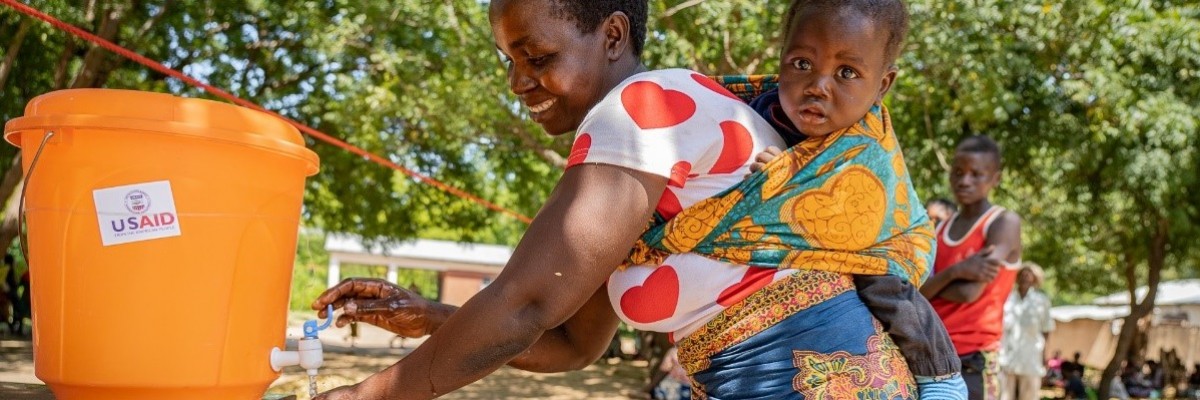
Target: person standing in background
676 385
8 292
23 306
1027 326
978 255
940 210
13 295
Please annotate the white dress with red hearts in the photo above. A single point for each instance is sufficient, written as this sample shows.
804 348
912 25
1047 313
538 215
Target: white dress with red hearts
684 126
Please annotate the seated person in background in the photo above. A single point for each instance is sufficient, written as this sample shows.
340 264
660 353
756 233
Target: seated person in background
1155 376
1075 389
1054 373
1116 389
1135 381
1193 381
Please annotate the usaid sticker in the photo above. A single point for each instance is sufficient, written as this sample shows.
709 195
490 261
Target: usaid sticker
134 213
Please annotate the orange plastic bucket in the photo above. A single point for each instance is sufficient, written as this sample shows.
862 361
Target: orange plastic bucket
161 236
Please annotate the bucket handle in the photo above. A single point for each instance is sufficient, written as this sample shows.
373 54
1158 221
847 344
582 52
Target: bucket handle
21 228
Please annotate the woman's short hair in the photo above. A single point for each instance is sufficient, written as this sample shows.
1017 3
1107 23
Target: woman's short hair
588 14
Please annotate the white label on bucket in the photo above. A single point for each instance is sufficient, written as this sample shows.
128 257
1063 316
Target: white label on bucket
134 213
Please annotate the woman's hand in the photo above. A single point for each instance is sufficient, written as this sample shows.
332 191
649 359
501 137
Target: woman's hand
383 304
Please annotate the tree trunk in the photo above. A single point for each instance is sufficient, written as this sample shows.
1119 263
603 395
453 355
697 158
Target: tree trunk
10 55
8 191
1137 310
64 63
12 177
10 224
95 70
95 64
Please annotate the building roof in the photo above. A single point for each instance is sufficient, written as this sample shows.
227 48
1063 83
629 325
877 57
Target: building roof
1170 293
440 251
1099 313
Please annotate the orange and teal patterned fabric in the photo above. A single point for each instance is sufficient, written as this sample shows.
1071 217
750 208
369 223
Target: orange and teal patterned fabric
805 337
747 87
841 203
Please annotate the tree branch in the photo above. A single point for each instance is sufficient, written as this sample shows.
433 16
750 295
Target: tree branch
1158 257
697 62
544 152
680 7
64 63
153 20
14 47
291 79
90 14
94 64
929 131
462 35
770 51
727 44
10 223
1130 278
527 140
12 177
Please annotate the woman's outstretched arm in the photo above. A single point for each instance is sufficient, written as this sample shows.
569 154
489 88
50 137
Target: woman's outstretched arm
576 241
573 345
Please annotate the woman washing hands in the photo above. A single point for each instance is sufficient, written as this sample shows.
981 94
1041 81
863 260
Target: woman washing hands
648 144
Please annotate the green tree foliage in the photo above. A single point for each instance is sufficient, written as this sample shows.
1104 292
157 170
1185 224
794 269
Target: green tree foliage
310 271
309 276
1095 105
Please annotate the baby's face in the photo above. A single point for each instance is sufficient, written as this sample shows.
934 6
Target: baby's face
833 70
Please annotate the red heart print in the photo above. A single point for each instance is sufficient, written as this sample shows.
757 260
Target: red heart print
714 86
653 107
754 279
737 144
668 204
655 300
579 150
680 173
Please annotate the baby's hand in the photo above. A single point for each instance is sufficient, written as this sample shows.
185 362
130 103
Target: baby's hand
765 157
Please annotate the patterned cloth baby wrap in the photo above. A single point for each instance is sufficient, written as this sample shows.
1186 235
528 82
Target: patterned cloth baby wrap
840 203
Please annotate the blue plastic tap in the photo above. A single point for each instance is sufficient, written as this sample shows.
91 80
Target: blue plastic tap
311 328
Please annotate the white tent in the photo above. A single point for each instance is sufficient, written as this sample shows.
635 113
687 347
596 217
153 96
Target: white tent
1184 291
1092 329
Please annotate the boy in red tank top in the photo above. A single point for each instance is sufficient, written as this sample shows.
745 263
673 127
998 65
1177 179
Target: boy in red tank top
978 255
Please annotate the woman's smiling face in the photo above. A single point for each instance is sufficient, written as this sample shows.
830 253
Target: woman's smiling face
558 72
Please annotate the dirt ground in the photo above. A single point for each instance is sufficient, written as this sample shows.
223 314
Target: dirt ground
345 365
602 380
349 360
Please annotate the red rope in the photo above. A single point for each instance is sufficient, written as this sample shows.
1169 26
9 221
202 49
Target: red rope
236 100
